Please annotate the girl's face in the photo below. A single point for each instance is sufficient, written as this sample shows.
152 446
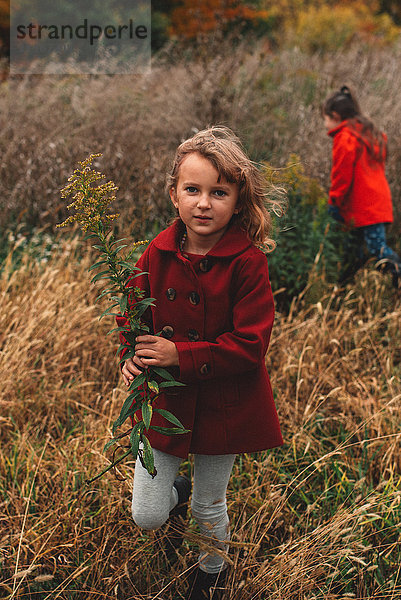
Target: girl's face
204 203
330 122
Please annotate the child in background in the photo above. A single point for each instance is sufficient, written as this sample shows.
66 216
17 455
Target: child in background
359 193
214 307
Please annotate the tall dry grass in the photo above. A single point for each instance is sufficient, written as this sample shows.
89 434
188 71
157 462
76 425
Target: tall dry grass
271 99
317 519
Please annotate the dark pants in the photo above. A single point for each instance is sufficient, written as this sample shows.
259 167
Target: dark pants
374 237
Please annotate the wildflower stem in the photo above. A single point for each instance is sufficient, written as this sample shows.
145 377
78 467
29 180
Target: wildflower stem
90 203
113 464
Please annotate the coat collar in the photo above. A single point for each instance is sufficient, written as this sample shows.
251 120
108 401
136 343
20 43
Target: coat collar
233 242
355 129
337 128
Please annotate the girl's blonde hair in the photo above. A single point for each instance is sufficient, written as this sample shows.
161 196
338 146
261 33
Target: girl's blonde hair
224 150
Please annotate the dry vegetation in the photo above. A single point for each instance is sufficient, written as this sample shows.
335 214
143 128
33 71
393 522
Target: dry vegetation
317 519
272 100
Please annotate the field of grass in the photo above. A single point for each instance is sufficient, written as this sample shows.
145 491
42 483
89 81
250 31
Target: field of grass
319 518
272 100
316 519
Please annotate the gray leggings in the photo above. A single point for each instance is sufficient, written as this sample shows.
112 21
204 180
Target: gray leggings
152 499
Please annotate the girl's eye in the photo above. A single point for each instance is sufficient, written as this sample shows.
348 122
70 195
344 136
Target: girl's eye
220 193
191 189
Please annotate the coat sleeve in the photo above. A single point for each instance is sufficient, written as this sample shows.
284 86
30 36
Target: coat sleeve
244 347
143 284
342 173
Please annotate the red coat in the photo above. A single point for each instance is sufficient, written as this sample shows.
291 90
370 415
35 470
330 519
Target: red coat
218 309
359 187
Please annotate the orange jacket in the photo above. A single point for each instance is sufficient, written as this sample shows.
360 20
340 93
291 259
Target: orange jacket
359 187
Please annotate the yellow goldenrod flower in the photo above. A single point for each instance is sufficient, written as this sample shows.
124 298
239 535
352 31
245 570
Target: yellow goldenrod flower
89 201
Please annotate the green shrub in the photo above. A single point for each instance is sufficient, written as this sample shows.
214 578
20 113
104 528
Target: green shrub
308 241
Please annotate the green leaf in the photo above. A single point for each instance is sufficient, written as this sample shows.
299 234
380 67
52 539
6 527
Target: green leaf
125 264
139 380
135 438
153 385
146 414
108 312
169 430
148 458
100 262
169 417
105 292
130 336
165 384
128 409
123 304
122 417
117 242
142 306
136 394
101 275
162 373
117 250
110 443
109 277
116 329
132 276
145 302
126 356
122 347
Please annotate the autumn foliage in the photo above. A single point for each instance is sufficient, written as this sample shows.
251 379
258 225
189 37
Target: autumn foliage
342 19
193 17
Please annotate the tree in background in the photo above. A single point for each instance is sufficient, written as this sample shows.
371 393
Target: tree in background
187 19
323 27
392 8
192 18
4 28
161 11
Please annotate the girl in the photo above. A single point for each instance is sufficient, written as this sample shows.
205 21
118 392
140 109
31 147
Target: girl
214 307
359 194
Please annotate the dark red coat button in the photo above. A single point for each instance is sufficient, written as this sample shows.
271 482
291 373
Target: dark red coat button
193 335
194 298
205 369
205 265
167 332
171 294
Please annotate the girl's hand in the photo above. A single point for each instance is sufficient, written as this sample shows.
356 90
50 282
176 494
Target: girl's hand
132 368
155 351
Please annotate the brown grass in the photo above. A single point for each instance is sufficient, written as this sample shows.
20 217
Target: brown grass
272 100
317 519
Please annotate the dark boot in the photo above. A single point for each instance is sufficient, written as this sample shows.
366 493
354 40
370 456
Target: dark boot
206 586
396 275
174 535
396 280
350 270
393 267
